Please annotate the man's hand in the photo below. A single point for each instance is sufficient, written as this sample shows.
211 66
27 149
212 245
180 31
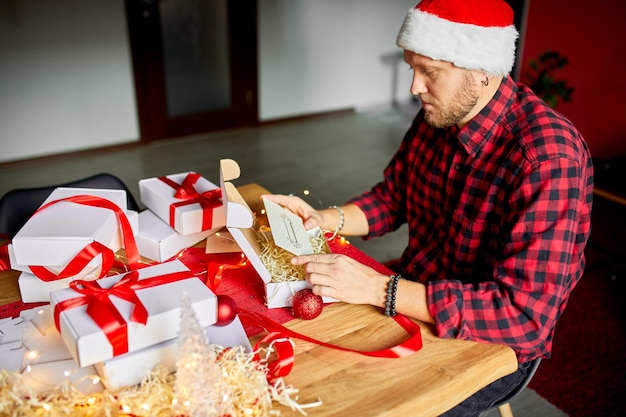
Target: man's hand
308 214
341 277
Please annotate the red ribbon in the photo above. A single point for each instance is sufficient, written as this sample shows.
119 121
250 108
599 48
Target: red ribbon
78 263
5 262
101 309
285 356
186 192
204 266
94 249
283 365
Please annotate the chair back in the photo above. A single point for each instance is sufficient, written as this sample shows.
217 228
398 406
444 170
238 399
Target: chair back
18 205
518 390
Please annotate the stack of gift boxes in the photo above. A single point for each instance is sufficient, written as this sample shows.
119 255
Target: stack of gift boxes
125 323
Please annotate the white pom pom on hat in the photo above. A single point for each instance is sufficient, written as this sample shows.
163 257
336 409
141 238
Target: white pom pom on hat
471 34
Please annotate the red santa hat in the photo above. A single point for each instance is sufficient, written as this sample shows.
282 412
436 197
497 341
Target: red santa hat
472 34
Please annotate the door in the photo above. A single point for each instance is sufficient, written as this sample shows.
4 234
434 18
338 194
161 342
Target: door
195 65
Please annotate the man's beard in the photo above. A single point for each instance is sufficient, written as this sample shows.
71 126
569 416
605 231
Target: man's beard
461 104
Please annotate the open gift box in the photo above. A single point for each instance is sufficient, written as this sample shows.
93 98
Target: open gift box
187 201
240 223
104 320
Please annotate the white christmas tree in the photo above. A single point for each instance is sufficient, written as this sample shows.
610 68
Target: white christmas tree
201 390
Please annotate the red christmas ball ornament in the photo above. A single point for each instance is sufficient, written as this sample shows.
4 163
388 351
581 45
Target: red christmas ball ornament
306 305
226 310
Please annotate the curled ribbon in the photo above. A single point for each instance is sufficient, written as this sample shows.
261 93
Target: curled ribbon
282 366
95 248
186 192
205 267
280 344
101 309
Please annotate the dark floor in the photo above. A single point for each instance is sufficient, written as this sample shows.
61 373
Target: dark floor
335 157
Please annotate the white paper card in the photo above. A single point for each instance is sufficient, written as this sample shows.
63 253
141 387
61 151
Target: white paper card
288 229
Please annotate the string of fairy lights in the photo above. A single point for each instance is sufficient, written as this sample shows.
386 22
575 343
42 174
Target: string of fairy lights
243 380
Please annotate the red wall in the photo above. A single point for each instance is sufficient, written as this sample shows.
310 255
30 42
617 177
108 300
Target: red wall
591 36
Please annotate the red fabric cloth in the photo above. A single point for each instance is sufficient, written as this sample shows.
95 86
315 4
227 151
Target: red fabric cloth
13 310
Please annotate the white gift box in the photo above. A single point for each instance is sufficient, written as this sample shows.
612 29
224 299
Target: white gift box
239 222
187 219
55 235
89 272
92 270
131 368
89 344
158 241
35 290
34 348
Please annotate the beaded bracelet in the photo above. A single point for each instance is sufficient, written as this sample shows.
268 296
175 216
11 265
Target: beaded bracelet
390 297
342 217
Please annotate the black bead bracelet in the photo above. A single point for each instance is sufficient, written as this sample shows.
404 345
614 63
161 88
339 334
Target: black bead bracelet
390 297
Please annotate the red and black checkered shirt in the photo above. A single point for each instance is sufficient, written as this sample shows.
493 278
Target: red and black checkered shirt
498 215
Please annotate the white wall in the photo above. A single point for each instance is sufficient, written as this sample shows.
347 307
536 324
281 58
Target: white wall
65 77
326 55
66 74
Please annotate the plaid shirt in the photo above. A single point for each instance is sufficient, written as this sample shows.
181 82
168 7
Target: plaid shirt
498 214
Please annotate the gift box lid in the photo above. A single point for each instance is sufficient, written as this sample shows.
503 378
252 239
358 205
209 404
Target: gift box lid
239 217
67 227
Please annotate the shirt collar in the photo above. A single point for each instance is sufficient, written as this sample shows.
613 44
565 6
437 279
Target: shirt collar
473 136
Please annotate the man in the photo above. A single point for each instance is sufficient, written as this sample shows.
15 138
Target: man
496 188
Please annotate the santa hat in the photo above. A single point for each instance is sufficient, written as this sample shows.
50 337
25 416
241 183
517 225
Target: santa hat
472 34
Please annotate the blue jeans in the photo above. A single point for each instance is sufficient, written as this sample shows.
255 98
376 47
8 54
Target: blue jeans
492 394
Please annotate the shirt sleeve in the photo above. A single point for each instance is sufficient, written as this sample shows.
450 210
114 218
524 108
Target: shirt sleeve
383 204
534 275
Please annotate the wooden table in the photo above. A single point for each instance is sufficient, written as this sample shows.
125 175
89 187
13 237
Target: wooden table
439 376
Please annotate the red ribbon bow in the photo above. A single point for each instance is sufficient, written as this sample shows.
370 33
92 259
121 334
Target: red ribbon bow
101 309
186 192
